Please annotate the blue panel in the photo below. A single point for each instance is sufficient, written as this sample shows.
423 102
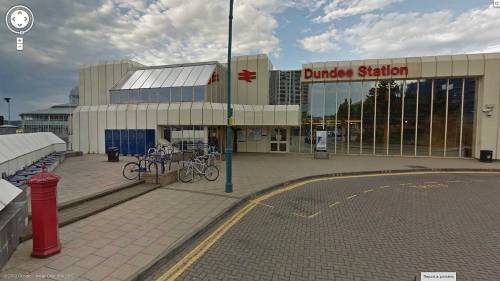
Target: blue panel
132 142
108 139
116 138
141 142
124 142
150 138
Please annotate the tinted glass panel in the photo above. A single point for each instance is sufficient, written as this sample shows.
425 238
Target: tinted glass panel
342 116
175 94
187 93
454 117
199 93
409 117
317 103
438 117
305 144
330 116
396 102
164 94
368 96
382 108
468 121
355 118
424 117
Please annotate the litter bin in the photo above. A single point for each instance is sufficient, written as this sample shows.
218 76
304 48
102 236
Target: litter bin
113 154
486 156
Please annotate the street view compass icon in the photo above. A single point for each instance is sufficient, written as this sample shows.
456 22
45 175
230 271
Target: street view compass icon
19 19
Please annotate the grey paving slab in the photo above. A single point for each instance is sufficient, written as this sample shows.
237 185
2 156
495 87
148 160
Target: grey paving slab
89 174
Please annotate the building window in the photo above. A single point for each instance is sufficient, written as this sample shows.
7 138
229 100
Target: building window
391 117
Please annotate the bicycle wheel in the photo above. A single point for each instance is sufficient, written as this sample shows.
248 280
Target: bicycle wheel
151 150
153 168
186 174
211 173
131 171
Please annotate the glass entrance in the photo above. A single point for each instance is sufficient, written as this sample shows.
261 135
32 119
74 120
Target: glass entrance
279 140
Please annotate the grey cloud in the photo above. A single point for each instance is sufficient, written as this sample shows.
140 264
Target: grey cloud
68 33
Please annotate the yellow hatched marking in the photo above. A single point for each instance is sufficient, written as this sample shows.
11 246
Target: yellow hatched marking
262 204
368 190
305 216
313 215
334 204
352 196
299 215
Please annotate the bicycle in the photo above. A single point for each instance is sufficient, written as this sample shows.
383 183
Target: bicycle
133 170
200 167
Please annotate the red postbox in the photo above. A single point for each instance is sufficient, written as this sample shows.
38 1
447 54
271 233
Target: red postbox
44 214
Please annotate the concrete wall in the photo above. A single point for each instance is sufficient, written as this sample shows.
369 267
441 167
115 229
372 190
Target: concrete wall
90 122
257 90
97 79
418 67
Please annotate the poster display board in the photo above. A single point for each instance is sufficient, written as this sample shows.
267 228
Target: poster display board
321 141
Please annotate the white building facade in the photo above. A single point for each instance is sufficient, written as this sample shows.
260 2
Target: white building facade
438 106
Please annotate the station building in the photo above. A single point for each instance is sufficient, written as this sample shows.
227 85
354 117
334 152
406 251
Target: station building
436 106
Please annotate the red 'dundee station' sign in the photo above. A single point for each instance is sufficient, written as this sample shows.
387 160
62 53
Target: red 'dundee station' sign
362 71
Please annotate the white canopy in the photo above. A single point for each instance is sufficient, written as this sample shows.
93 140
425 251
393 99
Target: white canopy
20 150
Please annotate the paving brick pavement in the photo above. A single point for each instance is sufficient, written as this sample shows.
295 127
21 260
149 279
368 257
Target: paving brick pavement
128 237
121 241
446 222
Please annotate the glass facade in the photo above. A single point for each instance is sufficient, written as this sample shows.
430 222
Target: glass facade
197 83
390 117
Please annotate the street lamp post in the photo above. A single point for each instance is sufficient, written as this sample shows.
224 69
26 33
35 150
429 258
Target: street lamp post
8 108
229 144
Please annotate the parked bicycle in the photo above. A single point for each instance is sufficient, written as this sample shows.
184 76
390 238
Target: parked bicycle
133 170
162 154
198 166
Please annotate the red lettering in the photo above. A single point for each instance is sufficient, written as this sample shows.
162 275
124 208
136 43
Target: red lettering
307 73
395 71
403 70
362 71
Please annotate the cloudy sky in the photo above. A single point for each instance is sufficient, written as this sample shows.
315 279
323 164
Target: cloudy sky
68 33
